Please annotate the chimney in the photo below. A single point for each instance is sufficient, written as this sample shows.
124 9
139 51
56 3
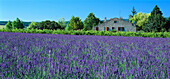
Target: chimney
105 19
110 18
121 18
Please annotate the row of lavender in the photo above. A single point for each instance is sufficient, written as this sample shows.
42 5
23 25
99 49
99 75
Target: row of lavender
71 56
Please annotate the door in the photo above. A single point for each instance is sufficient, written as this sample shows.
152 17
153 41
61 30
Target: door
97 28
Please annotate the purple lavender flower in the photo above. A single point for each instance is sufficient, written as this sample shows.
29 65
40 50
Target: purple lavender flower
109 56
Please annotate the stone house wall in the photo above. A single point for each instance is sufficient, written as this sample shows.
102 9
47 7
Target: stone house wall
120 23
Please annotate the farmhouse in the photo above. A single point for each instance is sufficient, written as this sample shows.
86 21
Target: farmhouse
117 24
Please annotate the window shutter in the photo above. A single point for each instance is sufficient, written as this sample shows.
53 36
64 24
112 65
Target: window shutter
123 29
118 28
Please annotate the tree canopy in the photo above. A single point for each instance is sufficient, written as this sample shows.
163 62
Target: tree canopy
133 12
68 27
48 25
90 21
62 23
156 21
8 25
140 19
17 24
33 25
44 25
76 23
167 25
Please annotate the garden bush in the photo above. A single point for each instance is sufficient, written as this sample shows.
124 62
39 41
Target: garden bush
101 33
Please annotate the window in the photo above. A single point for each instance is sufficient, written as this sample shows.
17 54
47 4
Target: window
121 29
113 28
97 28
115 21
118 28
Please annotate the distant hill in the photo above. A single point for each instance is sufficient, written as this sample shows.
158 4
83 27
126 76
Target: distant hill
5 22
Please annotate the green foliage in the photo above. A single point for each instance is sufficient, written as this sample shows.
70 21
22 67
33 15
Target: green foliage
17 24
90 21
14 24
101 33
76 23
48 25
133 12
156 21
72 22
167 25
141 19
8 25
62 23
68 27
33 25
113 30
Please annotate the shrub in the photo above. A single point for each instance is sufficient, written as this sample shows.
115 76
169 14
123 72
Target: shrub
81 32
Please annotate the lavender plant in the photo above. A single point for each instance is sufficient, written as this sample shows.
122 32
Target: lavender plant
24 55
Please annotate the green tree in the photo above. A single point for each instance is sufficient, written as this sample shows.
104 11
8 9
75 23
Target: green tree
133 12
72 22
48 25
62 23
14 24
140 19
76 23
90 21
68 27
167 25
156 21
33 25
17 24
8 25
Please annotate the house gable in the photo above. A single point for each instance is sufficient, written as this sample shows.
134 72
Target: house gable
117 24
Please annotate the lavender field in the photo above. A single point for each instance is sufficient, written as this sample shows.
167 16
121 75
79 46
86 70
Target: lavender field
48 56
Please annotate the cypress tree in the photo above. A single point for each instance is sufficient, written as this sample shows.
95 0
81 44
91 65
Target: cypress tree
133 11
156 21
167 25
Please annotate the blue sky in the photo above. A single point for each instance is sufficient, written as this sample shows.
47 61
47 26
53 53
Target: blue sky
40 10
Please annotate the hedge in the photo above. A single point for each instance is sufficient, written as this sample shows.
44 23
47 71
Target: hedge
101 33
